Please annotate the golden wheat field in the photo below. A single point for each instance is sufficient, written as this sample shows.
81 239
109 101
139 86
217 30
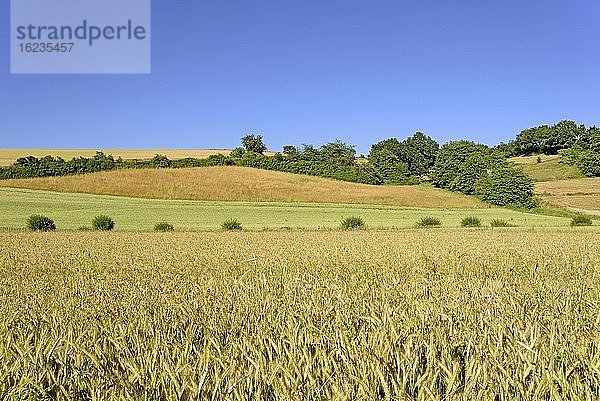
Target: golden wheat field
243 184
364 315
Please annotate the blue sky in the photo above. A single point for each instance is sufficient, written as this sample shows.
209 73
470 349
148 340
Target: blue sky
315 71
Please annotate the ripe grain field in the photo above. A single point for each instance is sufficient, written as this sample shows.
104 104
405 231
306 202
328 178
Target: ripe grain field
412 315
243 184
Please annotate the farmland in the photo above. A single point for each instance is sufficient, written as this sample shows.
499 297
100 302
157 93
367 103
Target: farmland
245 185
8 156
320 315
71 211
292 307
581 193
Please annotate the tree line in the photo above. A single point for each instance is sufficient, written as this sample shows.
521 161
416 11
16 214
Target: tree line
577 144
462 166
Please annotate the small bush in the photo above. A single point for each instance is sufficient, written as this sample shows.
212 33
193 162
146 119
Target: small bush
501 223
581 220
103 223
164 227
539 159
429 221
36 222
352 223
231 225
471 221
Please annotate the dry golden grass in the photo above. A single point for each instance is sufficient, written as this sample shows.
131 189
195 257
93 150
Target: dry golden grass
533 159
8 156
243 184
581 193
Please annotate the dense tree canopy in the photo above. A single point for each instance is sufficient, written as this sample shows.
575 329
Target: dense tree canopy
548 139
254 143
450 163
406 161
475 169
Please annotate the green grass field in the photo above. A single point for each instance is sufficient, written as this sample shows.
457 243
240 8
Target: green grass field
70 211
550 169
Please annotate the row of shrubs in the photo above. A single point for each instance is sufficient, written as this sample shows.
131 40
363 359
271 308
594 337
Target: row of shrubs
38 222
48 166
579 220
468 221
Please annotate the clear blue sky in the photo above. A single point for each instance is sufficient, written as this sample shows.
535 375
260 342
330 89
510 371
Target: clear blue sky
314 71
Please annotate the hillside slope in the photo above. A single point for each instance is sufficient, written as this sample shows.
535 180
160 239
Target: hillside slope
550 168
243 184
583 193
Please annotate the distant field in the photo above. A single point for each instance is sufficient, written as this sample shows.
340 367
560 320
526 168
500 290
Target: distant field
71 211
8 156
581 193
243 184
550 169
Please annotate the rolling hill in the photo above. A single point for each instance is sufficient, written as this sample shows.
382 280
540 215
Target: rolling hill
243 184
550 168
561 185
583 193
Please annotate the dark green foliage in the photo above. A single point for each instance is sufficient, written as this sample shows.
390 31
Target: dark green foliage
420 152
103 223
449 164
581 220
579 146
160 161
404 162
337 153
364 174
298 164
507 149
48 166
38 222
583 159
470 221
590 139
391 169
474 169
352 223
429 221
506 185
163 227
254 144
237 152
290 150
501 223
548 140
538 160
231 225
